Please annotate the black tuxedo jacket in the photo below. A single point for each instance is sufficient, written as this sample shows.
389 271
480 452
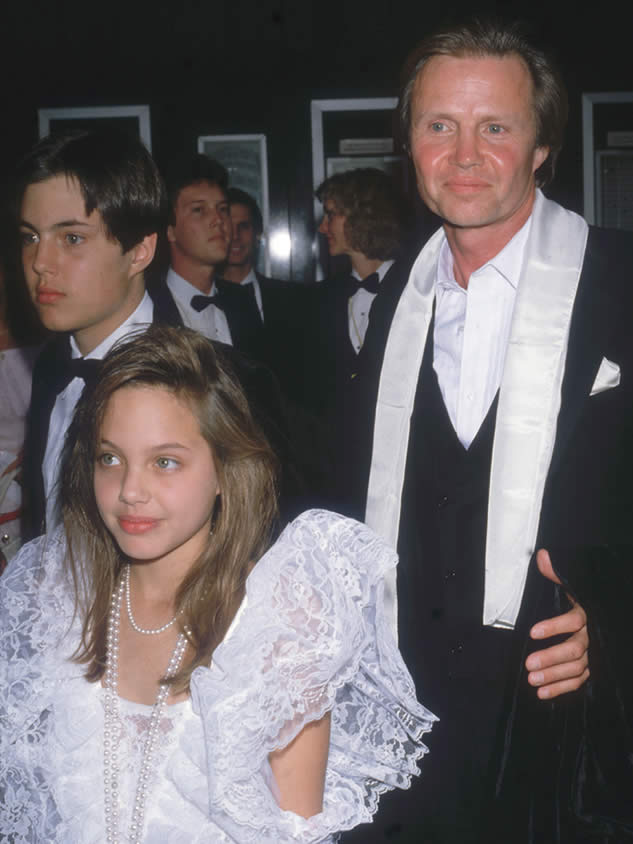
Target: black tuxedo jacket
288 308
353 390
579 749
335 363
562 771
242 315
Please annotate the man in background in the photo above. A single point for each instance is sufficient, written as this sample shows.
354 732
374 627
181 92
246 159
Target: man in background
285 308
199 236
364 220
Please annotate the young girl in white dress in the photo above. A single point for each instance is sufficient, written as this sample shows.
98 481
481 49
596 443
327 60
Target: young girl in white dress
165 674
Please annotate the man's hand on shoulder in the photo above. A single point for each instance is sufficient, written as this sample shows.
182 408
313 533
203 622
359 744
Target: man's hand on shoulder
561 668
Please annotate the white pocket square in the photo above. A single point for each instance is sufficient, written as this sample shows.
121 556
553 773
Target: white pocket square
608 377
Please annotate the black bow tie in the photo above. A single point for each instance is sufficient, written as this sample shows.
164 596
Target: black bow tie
87 370
200 302
228 294
371 284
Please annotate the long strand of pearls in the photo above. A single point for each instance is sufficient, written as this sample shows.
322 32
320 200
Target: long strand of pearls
112 728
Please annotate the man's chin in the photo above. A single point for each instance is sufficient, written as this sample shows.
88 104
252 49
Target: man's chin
216 257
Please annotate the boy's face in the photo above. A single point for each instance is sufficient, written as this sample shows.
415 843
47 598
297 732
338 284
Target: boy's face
78 278
244 243
333 227
202 230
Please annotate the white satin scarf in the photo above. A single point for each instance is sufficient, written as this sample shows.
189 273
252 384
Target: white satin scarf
527 413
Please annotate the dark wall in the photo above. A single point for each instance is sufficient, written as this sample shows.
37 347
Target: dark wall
250 66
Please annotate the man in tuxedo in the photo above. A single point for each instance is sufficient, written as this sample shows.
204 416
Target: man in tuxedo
199 236
284 307
364 218
248 227
501 458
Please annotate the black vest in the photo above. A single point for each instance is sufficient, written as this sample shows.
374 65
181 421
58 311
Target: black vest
458 665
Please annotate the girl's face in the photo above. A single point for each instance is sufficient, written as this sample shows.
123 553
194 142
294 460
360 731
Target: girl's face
155 480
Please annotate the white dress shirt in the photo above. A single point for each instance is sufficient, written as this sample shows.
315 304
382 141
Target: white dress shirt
211 321
66 401
359 306
471 333
251 278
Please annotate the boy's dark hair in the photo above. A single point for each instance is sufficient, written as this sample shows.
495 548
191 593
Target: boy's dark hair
237 196
375 209
116 175
200 168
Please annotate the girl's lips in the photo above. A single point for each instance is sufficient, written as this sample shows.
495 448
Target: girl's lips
46 296
136 524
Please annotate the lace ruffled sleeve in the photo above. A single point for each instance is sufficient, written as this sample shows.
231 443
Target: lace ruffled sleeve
35 617
311 638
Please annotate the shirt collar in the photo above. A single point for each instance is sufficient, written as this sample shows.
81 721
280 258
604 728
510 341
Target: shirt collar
182 289
251 278
142 316
382 271
508 262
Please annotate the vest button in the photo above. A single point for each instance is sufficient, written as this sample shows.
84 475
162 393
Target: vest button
442 503
456 649
450 574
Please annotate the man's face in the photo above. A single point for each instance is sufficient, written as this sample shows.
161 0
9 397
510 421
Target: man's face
202 229
244 243
79 278
473 141
333 227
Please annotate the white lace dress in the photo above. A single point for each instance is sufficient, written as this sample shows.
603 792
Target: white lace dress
310 637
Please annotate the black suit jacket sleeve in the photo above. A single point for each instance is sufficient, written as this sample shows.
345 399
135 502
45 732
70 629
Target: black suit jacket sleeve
576 752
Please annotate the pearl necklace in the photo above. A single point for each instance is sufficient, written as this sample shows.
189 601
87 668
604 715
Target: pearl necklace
112 728
128 602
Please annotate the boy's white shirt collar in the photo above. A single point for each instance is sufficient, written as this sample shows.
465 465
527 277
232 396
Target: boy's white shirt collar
141 317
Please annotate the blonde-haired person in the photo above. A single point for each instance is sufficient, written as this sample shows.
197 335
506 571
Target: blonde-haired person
167 675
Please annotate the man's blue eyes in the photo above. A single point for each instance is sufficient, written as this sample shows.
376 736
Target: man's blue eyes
493 128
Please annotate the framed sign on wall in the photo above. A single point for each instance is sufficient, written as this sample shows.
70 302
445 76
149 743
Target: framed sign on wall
245 158
134 119
607 140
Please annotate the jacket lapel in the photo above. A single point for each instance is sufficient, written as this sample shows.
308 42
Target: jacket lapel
165 309
590 329
242 315
52 361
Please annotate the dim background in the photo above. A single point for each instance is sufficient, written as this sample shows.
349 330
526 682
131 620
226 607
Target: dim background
253 66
